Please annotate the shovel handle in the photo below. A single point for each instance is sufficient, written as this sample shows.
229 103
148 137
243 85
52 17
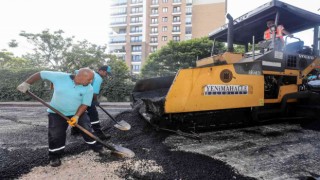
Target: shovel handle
67 119
108 114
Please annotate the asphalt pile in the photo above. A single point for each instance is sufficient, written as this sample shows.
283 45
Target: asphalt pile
154 158
148 144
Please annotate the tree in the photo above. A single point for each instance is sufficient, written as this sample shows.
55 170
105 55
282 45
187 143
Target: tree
9 61
49 48
13 43
85 54
119 86
176 55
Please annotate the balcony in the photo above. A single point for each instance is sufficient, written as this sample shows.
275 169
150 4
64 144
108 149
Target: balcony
188 13
176 22
176 32
136 32
118 51
136 3
115 24
154 4
177 2
117 33
136 13
117 41
119 3
175 12
135 22
136 40
119 14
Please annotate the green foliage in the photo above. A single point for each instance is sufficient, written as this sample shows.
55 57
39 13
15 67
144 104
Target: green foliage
10 79
54 52
8 60
13 43
118 87
177 55
85 54
49 48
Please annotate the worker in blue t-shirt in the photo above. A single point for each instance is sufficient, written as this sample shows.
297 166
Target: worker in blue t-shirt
104 71
72 95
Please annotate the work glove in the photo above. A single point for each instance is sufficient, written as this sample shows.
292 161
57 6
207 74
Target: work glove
95 103
23 87
73 121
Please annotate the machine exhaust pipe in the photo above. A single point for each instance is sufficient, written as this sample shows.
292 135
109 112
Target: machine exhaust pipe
230 33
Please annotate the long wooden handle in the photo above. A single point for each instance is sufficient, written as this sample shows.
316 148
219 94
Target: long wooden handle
67 119
108 114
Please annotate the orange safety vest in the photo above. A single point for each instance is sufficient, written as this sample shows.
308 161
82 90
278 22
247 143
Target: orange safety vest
268 33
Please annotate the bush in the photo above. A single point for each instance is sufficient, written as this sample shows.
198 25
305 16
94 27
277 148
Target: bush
10 79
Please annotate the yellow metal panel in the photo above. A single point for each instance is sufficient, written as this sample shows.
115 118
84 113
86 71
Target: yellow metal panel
283 91
232 57
228 57
313 65
187 91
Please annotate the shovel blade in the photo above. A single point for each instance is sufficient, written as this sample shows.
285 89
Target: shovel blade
123 152
123 125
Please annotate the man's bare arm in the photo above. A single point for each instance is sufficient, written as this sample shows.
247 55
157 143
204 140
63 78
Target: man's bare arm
82 108
33 78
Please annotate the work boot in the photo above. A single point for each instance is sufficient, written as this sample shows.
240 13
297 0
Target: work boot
55 162
101 135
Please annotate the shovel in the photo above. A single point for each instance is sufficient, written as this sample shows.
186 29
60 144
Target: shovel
117 150
122 125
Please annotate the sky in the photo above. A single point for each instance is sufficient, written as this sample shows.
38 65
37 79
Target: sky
86 19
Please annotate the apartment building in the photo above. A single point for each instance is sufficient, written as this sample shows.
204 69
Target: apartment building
140 27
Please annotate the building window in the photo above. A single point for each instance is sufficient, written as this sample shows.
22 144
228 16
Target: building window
176 9
176 18
154 40
154 30
153 48
136 58
136 68
164 1
154 2
154 11
136 19
164 38
188 30
165 9
164 28
189 2
176 29
164 19
176 1
136 39
136 10
135 29
188 20
189 10
154 20
176 38
136 48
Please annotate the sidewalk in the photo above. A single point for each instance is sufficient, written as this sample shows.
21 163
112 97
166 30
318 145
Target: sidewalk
125 105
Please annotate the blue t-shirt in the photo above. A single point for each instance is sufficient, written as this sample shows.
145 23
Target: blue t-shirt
96 83
67 96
